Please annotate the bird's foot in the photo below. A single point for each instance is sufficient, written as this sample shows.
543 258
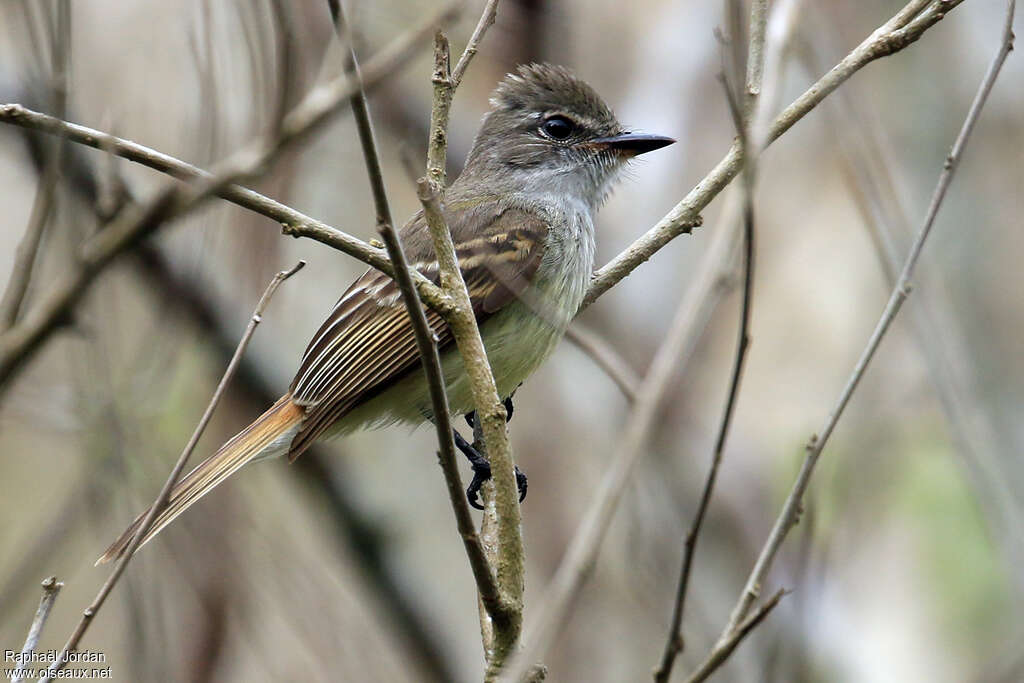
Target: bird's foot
509 408
482 472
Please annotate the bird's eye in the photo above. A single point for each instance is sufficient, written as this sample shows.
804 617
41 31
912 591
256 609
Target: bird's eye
558 127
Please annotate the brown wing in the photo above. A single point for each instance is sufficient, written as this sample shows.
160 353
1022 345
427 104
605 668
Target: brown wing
367 342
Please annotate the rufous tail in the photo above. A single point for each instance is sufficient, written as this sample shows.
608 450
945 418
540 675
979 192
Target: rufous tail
270 435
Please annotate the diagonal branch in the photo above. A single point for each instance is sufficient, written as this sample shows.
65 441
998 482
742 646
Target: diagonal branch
318 106
42 207
502 628
895 35
899 32
790 512
744 104
20 342
165 493
51 588
426 339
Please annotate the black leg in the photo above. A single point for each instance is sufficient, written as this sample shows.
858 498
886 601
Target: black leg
509 409
482 471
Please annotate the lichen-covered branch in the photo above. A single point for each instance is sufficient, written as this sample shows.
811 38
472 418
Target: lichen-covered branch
426 339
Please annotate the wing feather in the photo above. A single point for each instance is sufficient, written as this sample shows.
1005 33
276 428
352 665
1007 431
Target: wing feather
367 343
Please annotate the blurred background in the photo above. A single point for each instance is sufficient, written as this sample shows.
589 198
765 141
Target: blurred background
907 564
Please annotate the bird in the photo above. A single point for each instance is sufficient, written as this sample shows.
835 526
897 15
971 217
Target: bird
521 215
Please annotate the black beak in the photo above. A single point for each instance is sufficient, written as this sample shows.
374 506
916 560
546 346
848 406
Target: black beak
634 143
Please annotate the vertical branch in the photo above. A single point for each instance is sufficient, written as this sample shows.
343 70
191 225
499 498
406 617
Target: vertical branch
165 493
743 104
440 109
507 558
426 338
43 204
51 588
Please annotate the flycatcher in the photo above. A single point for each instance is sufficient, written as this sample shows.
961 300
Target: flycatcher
521 217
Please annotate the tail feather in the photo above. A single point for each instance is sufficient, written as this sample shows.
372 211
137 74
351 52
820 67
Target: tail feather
269 435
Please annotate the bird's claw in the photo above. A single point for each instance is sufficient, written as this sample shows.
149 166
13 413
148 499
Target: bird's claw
481 473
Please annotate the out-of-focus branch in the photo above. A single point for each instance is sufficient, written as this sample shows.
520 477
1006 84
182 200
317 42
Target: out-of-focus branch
899 32
315 110
352 527
873 177
791 508
28 249
51 588
42 205
743 101
165 493
606 358
22 340
724 649
581 554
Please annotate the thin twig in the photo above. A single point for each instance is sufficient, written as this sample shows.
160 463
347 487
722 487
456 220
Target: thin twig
317 107
51 588
23 340
606 358
426 343
718 656
789 514
581 554
361 114
490 413
877 192
426 339
43 204
507 557
165 493
485 22
893 36
28 249
899 32
353 529
675 644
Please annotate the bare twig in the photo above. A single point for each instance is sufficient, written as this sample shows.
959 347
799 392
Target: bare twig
720 654
315 109
507 558
900 31
896 34
165 493
21 341
789 514
485 22
42 206
606 358
491 415
877 192
28 248
748 100
361 113
582 551
51 587
353 529
426 341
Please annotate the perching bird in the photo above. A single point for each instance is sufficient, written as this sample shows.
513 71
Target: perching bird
521 217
